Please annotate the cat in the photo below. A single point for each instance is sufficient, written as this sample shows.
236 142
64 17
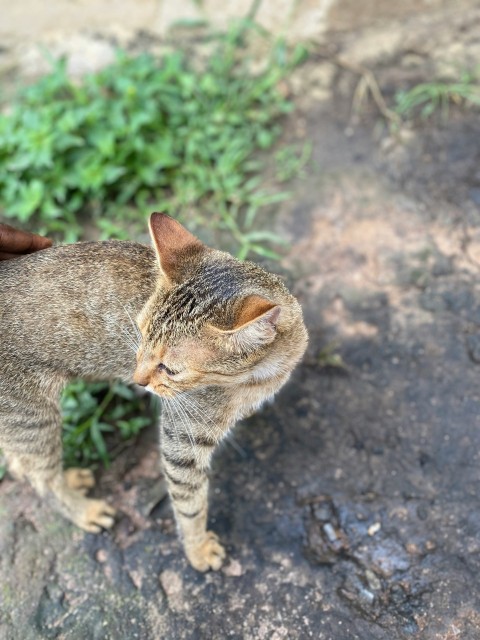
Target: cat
214 337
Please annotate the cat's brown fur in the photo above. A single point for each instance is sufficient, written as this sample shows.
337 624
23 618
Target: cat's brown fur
215 338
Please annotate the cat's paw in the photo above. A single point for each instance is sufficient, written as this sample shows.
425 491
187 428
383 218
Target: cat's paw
208 554
95 516
81 480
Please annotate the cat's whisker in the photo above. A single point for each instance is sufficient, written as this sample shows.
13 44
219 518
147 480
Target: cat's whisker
170 418
192 418
188 420
233 443
201 415
185 420
129 338
173 418
176 418
137 335
194 406
129 344
195 413
132 338
230 439
129 341
134 324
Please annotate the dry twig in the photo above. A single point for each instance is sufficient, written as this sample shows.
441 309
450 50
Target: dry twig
367 83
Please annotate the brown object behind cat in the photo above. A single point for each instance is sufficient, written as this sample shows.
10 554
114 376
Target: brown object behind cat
215 338
14 242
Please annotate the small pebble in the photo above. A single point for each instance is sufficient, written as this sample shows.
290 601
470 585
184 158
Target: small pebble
233 569
373 581
412 548
374 528
430 545
101 556
330 532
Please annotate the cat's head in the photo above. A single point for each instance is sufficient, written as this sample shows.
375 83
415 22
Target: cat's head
213 320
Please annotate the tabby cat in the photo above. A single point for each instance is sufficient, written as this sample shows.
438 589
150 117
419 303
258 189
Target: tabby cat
213 336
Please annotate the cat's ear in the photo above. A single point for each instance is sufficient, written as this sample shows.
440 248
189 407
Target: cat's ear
174 245
255 324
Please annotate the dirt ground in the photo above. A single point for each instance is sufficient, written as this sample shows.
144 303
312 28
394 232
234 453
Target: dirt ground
351 506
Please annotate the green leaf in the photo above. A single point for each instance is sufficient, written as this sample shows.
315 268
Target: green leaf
98 441
255 236
127 393
265 252
30 197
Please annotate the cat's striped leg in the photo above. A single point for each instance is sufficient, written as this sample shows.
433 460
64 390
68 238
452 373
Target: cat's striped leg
186 459
31 441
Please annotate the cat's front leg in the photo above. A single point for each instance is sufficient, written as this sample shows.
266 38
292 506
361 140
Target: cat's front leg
202 547
186 454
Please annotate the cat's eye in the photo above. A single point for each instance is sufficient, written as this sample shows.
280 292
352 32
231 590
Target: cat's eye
162 367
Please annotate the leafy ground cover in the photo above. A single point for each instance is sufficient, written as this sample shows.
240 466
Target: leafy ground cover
426 98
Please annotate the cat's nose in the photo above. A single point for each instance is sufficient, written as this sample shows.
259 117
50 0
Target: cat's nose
141 378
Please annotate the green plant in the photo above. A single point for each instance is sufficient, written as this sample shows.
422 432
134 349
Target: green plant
144 134
291 160
93 413
328 357
428 97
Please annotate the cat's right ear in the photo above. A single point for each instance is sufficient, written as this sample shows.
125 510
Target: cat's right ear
174 245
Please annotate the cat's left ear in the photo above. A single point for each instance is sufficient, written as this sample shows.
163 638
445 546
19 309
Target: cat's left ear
175 247
255 324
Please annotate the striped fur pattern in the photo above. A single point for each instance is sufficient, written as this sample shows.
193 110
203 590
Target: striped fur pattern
212 336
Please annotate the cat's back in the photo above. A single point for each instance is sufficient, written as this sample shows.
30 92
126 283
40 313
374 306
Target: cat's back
59 268
69 299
